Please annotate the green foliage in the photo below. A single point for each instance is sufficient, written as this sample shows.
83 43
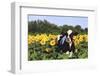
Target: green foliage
36 52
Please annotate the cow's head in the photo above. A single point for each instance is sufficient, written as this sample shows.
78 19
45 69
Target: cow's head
70 35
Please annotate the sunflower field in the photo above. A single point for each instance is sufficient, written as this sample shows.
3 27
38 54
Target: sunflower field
44 47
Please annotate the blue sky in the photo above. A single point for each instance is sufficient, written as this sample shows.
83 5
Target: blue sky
60 20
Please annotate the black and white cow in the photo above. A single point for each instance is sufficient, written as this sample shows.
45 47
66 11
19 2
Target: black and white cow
71 42
66 43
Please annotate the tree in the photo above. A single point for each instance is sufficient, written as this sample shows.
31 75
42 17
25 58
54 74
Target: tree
86 30
44 26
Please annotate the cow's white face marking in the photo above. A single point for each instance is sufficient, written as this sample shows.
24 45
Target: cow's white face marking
69 32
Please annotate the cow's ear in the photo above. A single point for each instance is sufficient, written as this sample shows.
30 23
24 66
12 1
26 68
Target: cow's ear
71 35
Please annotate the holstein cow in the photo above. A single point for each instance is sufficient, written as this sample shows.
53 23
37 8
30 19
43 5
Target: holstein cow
66 43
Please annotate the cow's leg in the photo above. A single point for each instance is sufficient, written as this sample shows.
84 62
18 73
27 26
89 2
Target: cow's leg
70 54
70 50
67 52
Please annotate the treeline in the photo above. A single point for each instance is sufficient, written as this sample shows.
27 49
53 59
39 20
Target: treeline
39 26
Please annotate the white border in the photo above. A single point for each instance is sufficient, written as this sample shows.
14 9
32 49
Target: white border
19 34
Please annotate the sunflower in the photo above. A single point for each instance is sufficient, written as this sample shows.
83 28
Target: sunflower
76 42
52 43
30 39
42 42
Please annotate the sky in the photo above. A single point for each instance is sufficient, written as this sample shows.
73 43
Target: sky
61 20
